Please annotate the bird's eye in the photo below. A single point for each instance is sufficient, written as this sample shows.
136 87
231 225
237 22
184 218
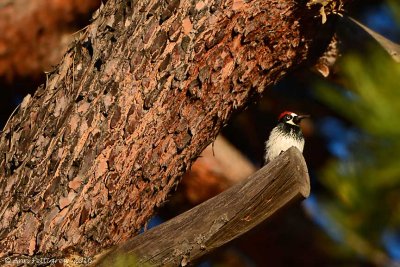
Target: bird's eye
288 118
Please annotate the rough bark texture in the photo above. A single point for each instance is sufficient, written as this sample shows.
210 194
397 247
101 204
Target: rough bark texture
148 85
217 221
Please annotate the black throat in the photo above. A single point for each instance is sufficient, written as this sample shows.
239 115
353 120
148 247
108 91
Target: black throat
293 131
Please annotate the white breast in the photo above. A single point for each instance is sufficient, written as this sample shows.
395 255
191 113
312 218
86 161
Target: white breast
279 142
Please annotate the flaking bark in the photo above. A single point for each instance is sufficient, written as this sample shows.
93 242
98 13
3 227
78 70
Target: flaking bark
146 87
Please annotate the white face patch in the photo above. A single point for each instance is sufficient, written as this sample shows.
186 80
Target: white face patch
291 121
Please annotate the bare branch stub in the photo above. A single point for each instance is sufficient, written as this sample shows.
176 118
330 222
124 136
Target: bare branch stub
222 218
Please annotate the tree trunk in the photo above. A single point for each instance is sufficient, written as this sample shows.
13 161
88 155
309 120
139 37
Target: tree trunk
146 87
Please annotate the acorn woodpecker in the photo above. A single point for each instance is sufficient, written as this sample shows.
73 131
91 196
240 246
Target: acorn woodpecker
285 135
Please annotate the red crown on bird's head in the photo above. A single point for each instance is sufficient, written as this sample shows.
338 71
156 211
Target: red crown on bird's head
283 114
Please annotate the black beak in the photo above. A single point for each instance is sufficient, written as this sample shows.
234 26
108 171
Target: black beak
298 119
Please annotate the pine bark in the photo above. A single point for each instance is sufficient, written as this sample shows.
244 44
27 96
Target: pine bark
145 88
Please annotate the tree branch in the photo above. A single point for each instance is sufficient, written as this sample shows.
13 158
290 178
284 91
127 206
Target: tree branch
222 218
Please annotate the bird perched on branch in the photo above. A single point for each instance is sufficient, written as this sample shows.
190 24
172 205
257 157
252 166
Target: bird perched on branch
285 135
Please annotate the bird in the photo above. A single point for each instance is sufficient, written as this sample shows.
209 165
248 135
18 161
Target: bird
284 135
